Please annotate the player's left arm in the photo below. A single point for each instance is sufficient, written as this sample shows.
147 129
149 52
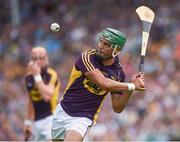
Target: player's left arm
119 101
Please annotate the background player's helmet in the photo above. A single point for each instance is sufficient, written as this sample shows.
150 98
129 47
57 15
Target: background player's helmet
116 37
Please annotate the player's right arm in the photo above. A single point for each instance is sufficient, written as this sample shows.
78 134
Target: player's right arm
112 85
29 119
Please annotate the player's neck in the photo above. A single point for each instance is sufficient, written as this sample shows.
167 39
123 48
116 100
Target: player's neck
108 62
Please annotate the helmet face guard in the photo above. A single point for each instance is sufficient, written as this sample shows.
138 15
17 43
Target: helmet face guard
115 37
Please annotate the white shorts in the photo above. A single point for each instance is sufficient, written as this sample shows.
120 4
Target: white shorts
42 129
63 122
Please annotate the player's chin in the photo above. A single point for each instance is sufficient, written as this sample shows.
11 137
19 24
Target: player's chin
100 55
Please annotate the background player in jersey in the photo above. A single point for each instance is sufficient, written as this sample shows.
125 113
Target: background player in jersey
94 74
43 87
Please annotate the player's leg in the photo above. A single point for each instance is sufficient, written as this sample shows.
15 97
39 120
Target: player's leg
77 128
67 127
36 135
58 124
46 125
72 135
42 129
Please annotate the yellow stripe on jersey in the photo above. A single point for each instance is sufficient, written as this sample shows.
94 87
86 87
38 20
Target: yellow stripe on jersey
90 64
54 100
55 82
74 75
53 76
86 60
86 65
90 53
97 112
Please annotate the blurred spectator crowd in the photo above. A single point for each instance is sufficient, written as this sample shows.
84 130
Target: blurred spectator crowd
153 115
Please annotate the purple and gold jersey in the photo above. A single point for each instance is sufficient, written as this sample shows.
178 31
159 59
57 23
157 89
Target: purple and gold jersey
82 97
41 107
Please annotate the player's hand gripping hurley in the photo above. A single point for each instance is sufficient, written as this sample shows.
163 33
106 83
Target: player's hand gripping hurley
147 16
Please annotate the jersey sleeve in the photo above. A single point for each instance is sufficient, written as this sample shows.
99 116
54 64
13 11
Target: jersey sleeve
86 62
122 77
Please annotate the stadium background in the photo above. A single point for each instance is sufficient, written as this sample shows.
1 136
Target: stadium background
151 116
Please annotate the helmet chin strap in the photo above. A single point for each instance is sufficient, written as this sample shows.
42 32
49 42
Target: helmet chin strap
113 53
